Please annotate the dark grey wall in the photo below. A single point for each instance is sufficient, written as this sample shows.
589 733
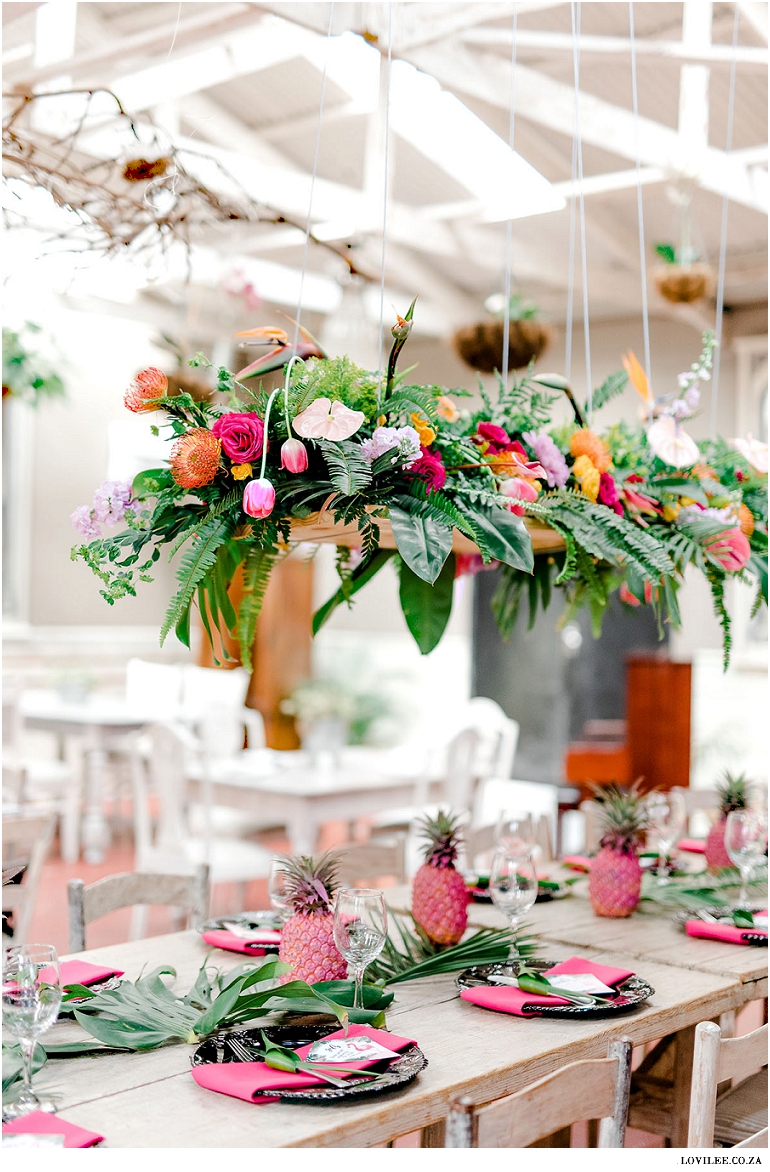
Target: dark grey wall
548 686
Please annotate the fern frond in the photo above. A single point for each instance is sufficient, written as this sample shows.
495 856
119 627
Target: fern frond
612 386
409 400
197 562
349 471
256 575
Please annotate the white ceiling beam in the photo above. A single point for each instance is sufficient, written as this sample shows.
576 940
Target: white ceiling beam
548 42
15 11
611 181
214 124
309 122
694 87
756 15
550 103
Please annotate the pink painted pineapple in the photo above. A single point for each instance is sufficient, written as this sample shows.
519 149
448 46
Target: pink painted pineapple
439 894
615 879
307 939
733 795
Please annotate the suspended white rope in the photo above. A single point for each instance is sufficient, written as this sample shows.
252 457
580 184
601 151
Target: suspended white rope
639 204
313 178
571 263
723 239
386 165
584 258
509 224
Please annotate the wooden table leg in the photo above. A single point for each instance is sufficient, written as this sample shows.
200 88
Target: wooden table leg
680 1121
432 1136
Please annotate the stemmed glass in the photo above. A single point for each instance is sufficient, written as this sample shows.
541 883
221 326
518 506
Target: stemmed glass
513 832
667 816
31 998
745 843
360 930
513 887
276 888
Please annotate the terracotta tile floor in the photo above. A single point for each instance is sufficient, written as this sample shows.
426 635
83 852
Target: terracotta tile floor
50 925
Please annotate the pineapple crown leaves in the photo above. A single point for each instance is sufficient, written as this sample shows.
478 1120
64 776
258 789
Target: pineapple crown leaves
623 815
311 883
733 792
442 838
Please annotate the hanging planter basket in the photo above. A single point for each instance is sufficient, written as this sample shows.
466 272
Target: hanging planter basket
683 284
481 346
320 529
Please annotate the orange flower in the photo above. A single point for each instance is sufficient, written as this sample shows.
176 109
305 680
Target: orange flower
703 472
195 458
423 429
446 409
746 520
144 392
586 443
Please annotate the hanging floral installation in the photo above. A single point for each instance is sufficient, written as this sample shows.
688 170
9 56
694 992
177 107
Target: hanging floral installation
399 473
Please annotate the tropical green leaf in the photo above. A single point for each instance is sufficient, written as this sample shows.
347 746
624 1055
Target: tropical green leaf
427 607
362 574
504 535
423 544
257 568
197 562
148 484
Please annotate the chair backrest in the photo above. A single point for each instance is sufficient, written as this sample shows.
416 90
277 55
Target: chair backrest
531 799
363 862
166 778
592 832
12 720
155 687
716 1059
221 729
460 775
129 889
204 688
28 841
597 1088
498 737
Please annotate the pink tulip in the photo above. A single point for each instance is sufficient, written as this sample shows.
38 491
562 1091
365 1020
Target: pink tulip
519 489
731 549
259 498
294 455
631 599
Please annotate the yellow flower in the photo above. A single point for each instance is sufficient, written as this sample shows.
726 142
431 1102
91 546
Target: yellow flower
671 512
423 429
382 420
446 409
588 474
587 443
242 471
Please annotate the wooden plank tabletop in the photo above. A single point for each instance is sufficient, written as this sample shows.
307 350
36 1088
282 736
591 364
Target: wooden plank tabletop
151 1100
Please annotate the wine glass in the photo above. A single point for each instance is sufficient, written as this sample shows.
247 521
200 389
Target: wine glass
513 887
276 888
667 817
745 843
514 831
360 930
31 998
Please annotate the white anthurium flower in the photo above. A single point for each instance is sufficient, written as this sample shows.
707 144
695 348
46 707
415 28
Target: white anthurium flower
754 451
325 419
671 443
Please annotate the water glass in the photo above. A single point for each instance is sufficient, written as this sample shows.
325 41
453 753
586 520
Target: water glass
514 832
360 930
31 999
276 888
513 887
667 817
746 843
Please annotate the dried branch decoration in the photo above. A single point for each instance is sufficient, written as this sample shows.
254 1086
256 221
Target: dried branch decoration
146 199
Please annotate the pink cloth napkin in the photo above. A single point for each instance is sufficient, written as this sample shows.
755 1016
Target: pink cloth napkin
696 846
81 972
726 932
42 1123
577 862
507 999
222 938
253 1081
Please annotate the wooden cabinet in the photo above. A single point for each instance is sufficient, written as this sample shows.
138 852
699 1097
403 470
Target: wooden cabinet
658 700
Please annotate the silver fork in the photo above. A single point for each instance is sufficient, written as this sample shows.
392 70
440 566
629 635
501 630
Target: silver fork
251 1054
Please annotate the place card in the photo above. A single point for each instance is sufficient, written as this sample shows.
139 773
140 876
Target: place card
578 983
351 1049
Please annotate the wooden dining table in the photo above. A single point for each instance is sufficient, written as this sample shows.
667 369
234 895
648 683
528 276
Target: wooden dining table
147 1100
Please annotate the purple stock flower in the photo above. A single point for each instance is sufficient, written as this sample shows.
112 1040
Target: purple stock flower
83 520
547 453
112 500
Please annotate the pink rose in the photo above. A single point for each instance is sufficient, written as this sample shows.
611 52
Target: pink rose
429 468
242 434
608 493
731 549
519 489
496 436
294 455
259 498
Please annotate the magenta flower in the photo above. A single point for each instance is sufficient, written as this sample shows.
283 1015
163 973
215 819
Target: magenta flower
293 455
608 493
731 549
546 451
517 488
259 498
496 437
242 434
430 468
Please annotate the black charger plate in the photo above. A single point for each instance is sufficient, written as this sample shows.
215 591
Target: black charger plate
632 992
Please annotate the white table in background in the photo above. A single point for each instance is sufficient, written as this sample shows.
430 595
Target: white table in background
97 721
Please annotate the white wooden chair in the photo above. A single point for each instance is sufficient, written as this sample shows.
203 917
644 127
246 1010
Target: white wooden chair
206 688
184 892
498 737
597 1088
155 687
456 787
171 847
362 863
480 841
27 841
536 800
219 748
738 1117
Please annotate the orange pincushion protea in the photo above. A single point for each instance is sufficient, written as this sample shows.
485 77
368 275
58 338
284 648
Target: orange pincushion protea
746 520
586 443
195 458
144 392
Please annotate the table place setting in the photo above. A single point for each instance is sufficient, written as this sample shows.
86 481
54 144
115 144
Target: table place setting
250 933
576 987
742 926
49 1131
